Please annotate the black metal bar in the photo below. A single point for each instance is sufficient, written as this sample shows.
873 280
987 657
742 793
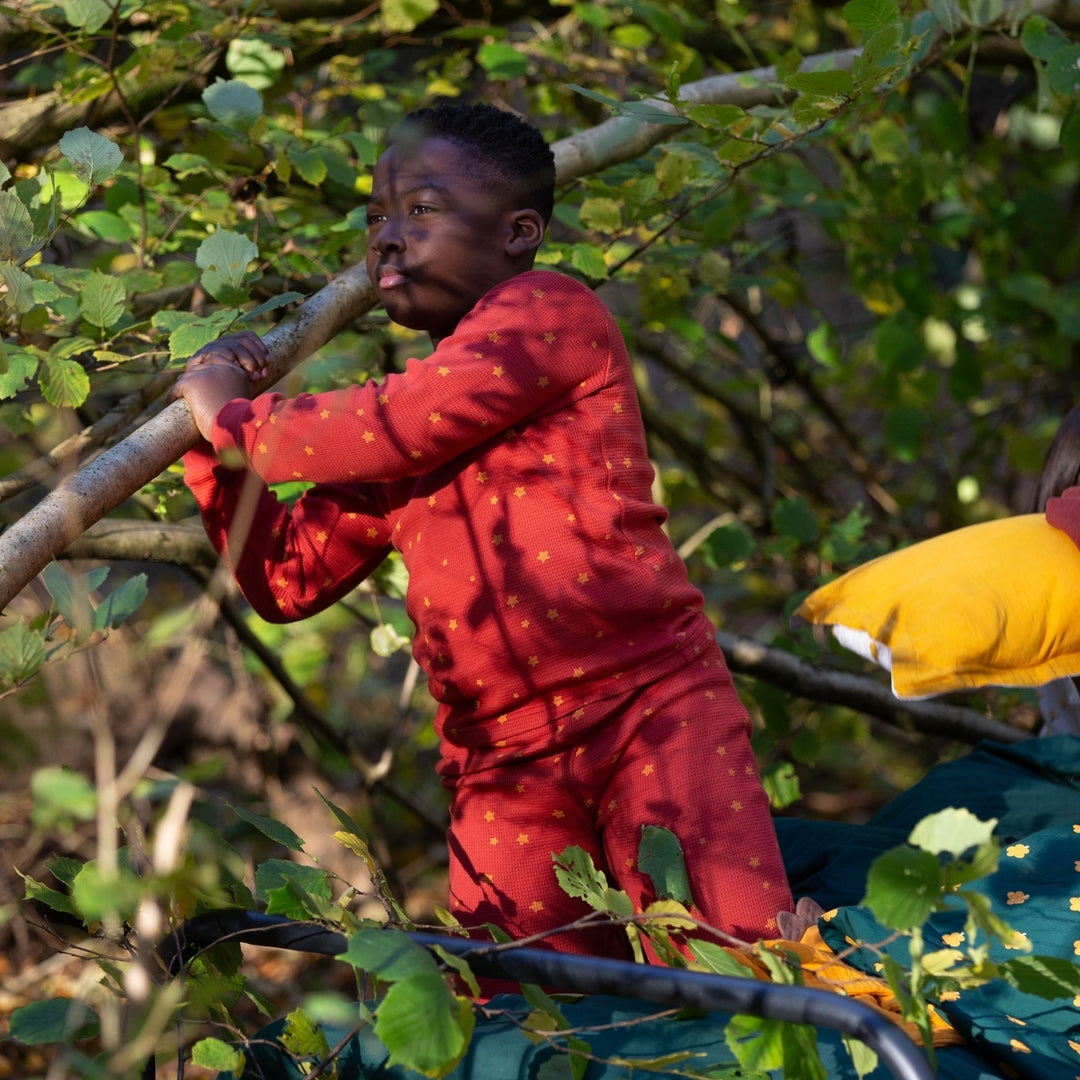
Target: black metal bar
586 975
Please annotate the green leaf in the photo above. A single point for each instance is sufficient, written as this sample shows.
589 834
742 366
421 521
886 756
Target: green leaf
660 855
794 518
781 784
385 640
588 260
233 102
302 1038
58 1019
18 288
1063 71
21 366
64 383
294 901
388 954
717 959
310 164
404 15
223 258
502 61
275 302
604 215
275 830
1070 133
757 1044
121 603
948 13
102 299
870 14
105 225
951 831
60 793
903 428
728 545
1047 977
903 888
93 157
578 876
16 227
187 164
1041 38
716 117
188 333
275 873
99 895
434 1045
71 595
22 652
51 898
899 343
87 15
218 1056
823 83
254 60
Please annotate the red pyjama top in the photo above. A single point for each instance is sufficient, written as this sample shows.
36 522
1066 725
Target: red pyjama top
510 470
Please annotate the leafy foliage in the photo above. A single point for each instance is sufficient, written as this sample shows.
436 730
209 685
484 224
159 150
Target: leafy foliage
851 291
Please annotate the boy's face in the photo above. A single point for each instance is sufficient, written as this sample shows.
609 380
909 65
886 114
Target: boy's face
438 238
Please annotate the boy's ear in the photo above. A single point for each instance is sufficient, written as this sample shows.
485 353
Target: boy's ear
526 233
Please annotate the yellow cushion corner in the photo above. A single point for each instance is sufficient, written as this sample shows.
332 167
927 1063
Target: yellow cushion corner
995 604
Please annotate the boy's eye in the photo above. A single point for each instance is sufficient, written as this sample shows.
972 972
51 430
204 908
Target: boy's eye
422 208
374 218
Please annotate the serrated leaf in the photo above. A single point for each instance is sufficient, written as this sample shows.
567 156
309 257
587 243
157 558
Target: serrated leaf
870 14
56 1020
434 1046
388 954
460 965
64 383
99 895
102 300
93 157
51 898
301 1037
87 15
219 1056
223 258
903 888
727 545
16 227
105 225
402 16
952 830
604 215
188 333
310 164
588 260
757 1044
823 83
719 117
186 164
274 873
22 652
233 102
272 304
660 856
1047 977
276 830
578 876
16 288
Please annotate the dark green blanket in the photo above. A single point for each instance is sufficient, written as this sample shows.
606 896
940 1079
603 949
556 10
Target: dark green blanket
1032 789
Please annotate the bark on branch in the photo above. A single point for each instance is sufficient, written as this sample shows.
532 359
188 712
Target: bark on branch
783 669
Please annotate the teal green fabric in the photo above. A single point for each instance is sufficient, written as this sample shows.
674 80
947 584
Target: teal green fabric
1033 789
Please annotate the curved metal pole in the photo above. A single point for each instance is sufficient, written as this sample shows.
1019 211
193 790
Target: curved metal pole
589 975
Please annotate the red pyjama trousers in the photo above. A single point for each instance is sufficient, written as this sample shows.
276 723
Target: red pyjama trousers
675 753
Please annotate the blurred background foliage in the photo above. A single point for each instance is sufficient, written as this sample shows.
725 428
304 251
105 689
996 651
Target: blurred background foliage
854 308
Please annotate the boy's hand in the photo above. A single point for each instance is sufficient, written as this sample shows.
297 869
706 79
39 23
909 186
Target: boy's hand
219 373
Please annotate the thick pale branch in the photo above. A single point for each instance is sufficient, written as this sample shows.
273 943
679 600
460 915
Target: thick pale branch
66 512
783 669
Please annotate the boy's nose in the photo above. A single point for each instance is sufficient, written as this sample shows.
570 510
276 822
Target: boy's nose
389 238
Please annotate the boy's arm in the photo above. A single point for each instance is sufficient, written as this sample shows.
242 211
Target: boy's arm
536 341
289 562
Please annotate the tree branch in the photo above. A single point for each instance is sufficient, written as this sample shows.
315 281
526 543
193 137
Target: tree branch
783 669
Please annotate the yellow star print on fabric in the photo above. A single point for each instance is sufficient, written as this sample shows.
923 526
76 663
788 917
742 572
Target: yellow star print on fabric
489 816
1019 898
1017 851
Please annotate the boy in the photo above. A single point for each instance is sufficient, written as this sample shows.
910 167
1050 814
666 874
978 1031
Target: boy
581 692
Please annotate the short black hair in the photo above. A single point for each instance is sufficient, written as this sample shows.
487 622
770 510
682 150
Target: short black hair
506 147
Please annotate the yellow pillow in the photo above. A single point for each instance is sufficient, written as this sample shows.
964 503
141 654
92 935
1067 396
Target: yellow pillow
996 604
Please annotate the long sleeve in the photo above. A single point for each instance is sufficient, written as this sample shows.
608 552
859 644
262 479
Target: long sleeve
523 347
289 561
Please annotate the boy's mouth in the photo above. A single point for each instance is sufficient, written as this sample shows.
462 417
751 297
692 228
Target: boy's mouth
390 277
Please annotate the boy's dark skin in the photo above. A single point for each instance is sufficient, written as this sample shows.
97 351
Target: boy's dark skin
439 238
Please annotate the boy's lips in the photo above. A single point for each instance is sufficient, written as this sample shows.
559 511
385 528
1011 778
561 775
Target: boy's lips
390 277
